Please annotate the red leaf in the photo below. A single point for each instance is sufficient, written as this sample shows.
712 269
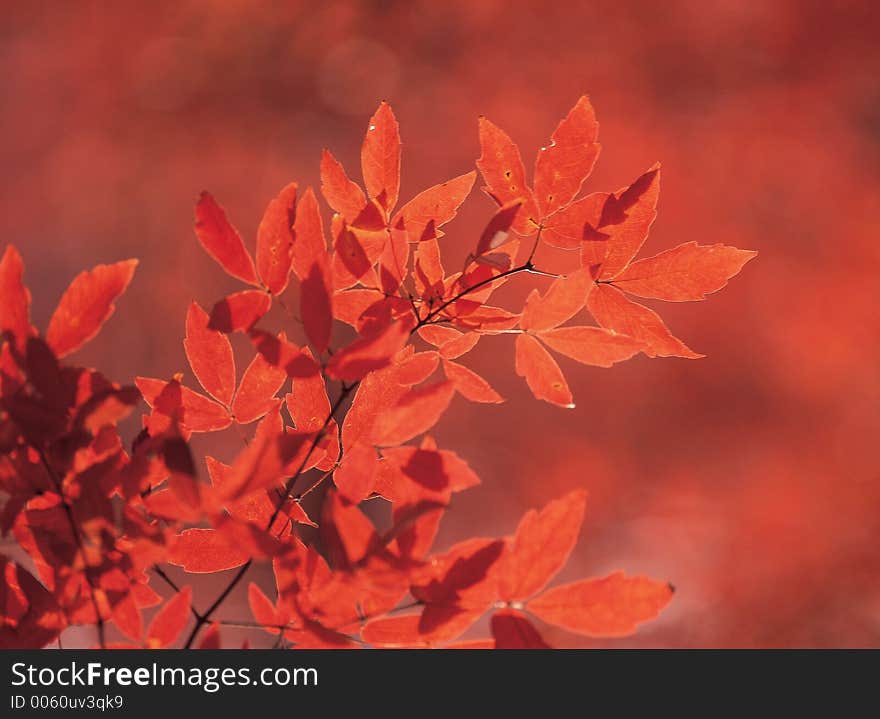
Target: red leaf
196 412
415 413
257 389
505 176
268 459
341 193
428 269
347 532
421 218
469 384
541 372
512 630
14 298
464 576
497 232
380 157
562 301
409 474
541 546
308 404
204 551
86 305
211 638
312 265
450 341
369 353
356 475
434 626
264 610
210 356
684 273
275 240
574 224
608 607
627 216
240 311
614 311
222 241
562 166
354 255
591 345
31 616
281 353
394 262
170 621
127 617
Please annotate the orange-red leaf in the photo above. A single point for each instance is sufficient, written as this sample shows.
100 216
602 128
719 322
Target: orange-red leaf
275 240
422 217
341 193
14 298
308 404
356 475
614 311
257 389
210 355
86 305
609 607
170 620
541 372
541 546
591 345
574 224
562 301
469 384
380 157
240 311
222 241
685 273
369 353
627 216
203 551
267 460
497 232
504 174
196 412
562 166
312 265
513 630
466 575
415 413
264 611
434 626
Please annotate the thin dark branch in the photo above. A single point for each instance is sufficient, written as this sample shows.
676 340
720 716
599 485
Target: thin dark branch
56 480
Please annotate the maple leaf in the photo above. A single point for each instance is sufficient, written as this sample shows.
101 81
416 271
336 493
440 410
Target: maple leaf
311 265
275 240
14 298
513 630
380 158
422 217
86 305
609 607
210 356
541 546
170 621
222 241
240 310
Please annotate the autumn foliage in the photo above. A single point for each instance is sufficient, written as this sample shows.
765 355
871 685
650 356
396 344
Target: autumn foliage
340 404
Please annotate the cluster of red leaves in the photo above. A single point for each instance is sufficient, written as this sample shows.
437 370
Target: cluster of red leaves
100 521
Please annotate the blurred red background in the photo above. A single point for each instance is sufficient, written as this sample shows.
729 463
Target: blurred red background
749 479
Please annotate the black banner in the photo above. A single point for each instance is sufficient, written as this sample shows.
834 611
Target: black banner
262 682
